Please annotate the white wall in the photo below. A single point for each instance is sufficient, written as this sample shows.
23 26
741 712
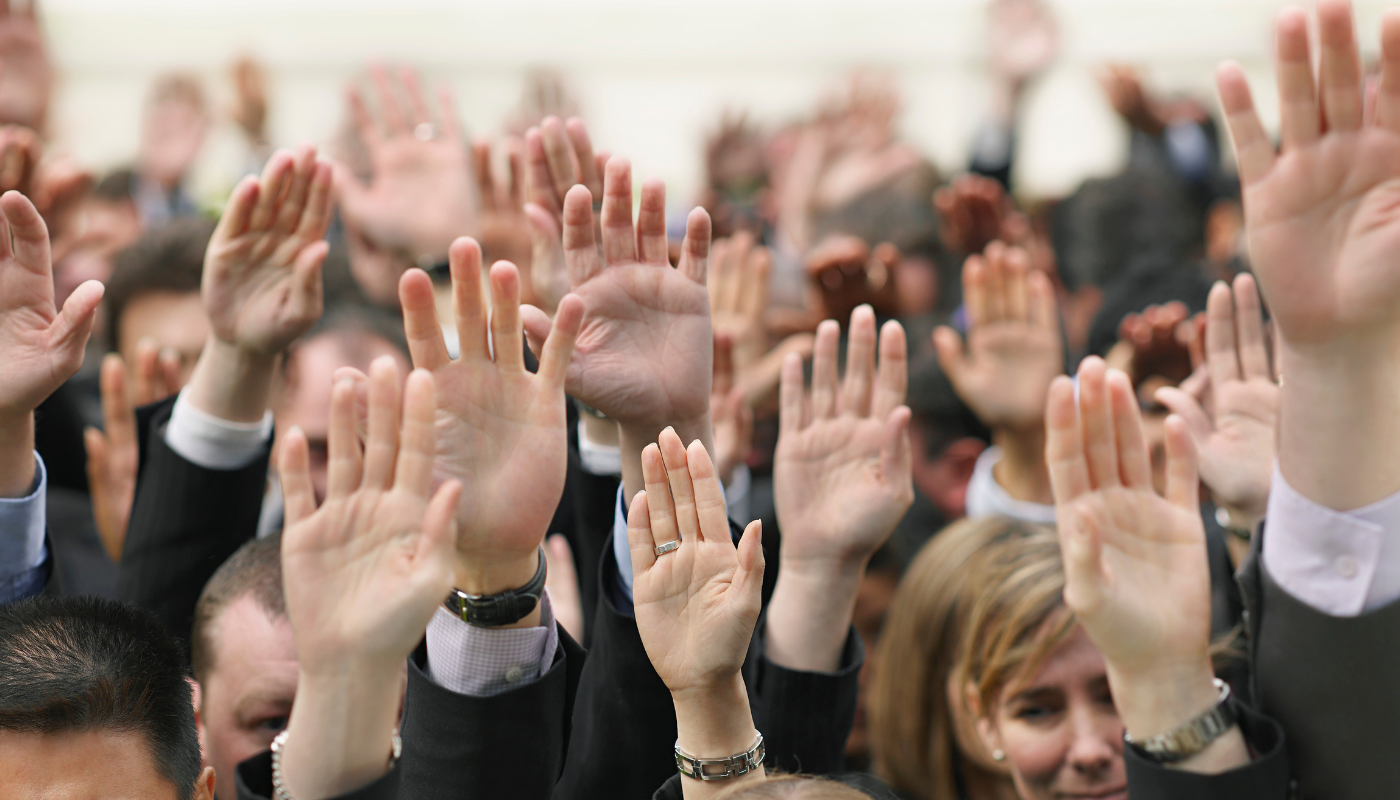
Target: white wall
652 75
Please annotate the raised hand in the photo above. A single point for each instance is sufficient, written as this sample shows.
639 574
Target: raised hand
696 605
41 346
731 414
738 284
1235 438
364 574
1014 349
1135 562
26 74
845 273
1324 239
842 481
645 351
505 233
501 430
558 156
1022 38
420 197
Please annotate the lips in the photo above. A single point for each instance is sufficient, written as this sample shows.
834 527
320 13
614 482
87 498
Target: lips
1117 793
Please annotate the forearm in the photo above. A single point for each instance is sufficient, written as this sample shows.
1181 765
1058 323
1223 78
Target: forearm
230 382
633 439
809 616
340 734
1022 471
17 455
1169 698
715 723
1339 424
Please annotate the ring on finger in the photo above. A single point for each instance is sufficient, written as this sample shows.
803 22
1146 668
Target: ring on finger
663 549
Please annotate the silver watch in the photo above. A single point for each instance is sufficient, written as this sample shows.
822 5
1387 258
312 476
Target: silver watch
1191 738
717 769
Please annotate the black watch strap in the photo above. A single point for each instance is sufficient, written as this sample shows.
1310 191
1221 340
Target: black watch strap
495 610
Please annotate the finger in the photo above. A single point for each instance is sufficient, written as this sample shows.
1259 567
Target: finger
468 299
1340 75
1017 269
1183 477
69 331
892 381
365 125
515 171
559 155
485 181
661 509
1064 444
389 109
951 358
316 215
748 578
1181 403
975 299
580 253
1299 123
382 449
790 397
418 443
426 346
590 173
539 183
726 261
359 383
619 242
146 368
344 461
537 328
824 370
270 186
440 530
896 455
238 211
1221 358
451 131
1388 90
1095 411
710 509
754 298
505 318
1134 464
719 275
298 189
641 540
695 250
1081 548
673 454
1249 325
417 105
1044 314
1254 151
723 364
294 473
994 277
651 224
559 344
306 299
29 236
860 363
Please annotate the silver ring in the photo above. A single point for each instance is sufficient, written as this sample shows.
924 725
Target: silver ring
663 549
424 132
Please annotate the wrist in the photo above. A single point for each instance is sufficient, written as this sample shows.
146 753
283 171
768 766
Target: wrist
231 382
634 437
714 720
1022 472
809 616
17 464
1162 698
340 734
489 574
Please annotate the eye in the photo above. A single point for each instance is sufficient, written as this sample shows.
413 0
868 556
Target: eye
1035 712
273 725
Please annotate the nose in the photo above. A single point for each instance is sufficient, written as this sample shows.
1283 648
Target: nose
1096 744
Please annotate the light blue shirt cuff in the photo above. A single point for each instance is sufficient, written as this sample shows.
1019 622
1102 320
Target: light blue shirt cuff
623 552
22 549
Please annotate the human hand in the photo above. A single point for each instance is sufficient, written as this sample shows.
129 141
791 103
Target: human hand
173 130
738 284
113 453
1022 41
1152 343
696 606
1122 85
26 74
731 414
262 272
363 575
1135 562
975 212
845 273
1014 349
249 109
501 431
1235 438
420 197
505 233
558 156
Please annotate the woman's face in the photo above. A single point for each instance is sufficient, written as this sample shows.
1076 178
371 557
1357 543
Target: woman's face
1058 728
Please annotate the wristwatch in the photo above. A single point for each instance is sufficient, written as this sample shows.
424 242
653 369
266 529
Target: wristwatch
495 610
1191 738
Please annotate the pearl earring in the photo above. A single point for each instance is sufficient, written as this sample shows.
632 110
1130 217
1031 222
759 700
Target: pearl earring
998 755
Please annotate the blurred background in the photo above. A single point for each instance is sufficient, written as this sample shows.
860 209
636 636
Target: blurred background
650 78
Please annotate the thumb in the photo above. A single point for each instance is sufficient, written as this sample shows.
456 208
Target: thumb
69 332
1081 547
537 325
949 346
748 577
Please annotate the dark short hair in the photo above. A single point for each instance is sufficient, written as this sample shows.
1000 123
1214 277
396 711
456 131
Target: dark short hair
85 664
256 569
167 259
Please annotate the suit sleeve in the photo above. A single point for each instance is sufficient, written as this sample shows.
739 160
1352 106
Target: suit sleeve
1265 778
254 782
186 520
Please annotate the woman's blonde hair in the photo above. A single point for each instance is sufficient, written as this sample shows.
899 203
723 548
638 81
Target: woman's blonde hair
970 609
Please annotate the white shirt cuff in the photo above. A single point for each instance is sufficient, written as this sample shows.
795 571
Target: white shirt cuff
1341 563
597 459
483 662
207 441
986 497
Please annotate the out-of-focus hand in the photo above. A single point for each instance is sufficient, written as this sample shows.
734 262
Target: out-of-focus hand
696 606
1022 40
1014 349
249 110
975 212
845 273
26 74
1153 343
738 284
364 574
113 452
505 233
558 156
1235 438
731 414
501 431
1122 86
420 197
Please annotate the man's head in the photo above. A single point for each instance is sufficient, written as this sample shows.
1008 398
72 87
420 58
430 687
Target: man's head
154 292
94 702
244 658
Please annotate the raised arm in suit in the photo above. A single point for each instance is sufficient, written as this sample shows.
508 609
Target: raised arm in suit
261 289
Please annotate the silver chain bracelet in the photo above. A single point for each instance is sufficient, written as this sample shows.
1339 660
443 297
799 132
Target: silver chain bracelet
718 769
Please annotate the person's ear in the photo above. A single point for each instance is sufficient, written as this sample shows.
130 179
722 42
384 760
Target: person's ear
197 693
204 785
986 726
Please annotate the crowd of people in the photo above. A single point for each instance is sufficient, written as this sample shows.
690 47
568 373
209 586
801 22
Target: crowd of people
430 467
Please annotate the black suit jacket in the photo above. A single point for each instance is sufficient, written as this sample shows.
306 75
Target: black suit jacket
185 521
254 781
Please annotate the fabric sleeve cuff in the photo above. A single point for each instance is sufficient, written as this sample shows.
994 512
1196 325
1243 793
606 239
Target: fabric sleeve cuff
22 524
483 662
207 441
